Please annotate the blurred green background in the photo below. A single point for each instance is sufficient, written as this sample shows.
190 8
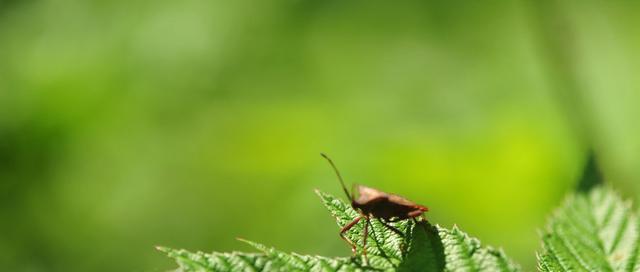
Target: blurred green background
130 124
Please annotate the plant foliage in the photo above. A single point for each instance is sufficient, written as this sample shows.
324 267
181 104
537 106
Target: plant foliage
422 247
592 231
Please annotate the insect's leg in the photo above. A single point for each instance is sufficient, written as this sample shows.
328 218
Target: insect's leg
347 228
394 229
364 240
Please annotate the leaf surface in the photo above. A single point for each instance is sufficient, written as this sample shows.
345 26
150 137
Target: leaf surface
420 247
592 231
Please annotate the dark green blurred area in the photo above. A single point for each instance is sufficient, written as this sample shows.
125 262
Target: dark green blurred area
130 124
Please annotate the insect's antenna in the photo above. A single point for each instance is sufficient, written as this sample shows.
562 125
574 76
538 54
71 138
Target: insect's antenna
338 174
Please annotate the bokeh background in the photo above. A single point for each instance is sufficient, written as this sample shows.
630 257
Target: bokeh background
130 124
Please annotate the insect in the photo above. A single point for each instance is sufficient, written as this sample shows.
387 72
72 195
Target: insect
373 203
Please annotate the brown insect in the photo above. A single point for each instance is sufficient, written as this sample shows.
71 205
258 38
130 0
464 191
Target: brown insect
372 203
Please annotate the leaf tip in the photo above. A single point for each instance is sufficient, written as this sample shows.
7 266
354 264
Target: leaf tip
255 245
323 196
320 193
162 249
243 240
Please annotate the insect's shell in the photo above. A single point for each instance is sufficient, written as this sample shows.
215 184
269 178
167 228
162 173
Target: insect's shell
379 204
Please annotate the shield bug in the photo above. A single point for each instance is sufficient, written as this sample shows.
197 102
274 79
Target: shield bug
372 203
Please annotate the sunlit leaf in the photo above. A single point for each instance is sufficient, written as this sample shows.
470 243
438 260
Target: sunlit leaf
418 247
592 231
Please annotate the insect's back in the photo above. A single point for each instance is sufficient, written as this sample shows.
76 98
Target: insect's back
382 205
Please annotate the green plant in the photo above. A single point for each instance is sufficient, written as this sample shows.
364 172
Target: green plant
424 247
594 230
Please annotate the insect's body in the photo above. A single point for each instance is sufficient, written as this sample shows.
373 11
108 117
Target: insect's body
372 203
389 207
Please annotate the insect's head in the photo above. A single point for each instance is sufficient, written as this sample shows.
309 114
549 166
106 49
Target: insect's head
350 196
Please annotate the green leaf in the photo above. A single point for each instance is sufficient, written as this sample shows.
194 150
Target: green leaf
591 175
297 262
424 248
234 261
464 253
592 231
421 247
269 260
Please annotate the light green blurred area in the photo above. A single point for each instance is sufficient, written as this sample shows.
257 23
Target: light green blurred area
130 124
